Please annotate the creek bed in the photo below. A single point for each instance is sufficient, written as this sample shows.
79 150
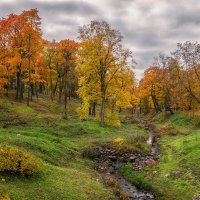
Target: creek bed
106 153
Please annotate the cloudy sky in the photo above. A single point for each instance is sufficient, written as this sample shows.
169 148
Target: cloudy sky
148 26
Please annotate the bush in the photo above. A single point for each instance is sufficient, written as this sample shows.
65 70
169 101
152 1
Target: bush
4 197
18 161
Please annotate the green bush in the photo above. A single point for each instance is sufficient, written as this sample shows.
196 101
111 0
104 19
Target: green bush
18 161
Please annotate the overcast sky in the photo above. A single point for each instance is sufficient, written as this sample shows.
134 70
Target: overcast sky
148 26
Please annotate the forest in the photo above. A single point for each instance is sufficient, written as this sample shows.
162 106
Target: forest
73 114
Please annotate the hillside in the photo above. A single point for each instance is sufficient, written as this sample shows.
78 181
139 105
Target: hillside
176 175
66 174
40 129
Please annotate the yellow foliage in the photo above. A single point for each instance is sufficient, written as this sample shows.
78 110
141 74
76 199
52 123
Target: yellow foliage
83 110
4 197
112 119
118 141
18 161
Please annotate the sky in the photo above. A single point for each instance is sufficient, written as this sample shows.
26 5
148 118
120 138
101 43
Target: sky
148 26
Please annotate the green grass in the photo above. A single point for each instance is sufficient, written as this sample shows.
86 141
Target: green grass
40 130
181 121
177 175
55 183
136 179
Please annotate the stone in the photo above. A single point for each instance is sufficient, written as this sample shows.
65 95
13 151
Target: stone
19 135
113 158
132 158
196 197
166 175
150 162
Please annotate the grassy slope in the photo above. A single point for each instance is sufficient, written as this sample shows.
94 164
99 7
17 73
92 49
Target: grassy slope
178 174
40 130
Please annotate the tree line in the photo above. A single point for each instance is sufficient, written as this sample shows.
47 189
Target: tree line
96 68
172 82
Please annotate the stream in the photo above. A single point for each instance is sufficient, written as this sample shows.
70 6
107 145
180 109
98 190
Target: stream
137 161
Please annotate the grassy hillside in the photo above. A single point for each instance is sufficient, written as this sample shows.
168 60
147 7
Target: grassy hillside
177 174
40 130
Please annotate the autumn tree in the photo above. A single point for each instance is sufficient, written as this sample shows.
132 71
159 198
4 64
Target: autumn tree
101 57
20 39
188 69
151 86
50 57
165 64
32 36
4 55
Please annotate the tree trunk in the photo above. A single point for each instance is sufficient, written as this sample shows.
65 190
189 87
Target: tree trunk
103 108
140 106
154 103
51 85
21 90
29 71
167 103
18 85
94 109
90 110
69 94
65 93
156 106
55 88
32 91
65 110
60 90
36 91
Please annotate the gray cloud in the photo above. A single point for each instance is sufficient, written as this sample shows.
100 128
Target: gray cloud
148 26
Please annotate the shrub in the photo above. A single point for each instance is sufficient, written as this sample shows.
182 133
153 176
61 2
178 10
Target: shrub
18 161
4 197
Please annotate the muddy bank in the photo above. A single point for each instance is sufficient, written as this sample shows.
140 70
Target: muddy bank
109 160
